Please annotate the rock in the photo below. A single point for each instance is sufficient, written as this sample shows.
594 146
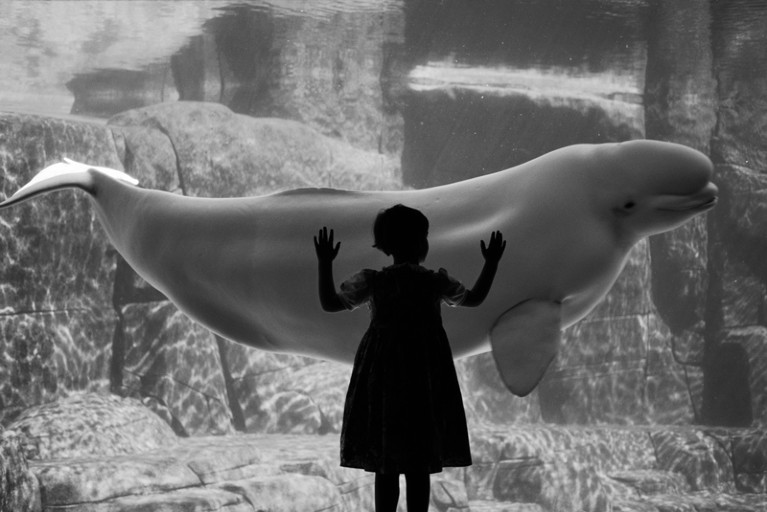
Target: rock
56 268
707 501
456 133
485 397
496 506
87 424
749 461
595 380
584 469
19 488
57 332
201 149
291 493
448 492
223 154
695 455
555 467
344 93
178 363
614 363
519 480
181 500
651 481
738 246
235 473
738 31
105 92
287 394
679 275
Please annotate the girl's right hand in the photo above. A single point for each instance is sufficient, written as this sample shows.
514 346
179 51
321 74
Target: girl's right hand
494 250
323 245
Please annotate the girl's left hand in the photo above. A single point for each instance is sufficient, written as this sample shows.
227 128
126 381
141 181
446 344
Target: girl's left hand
323 245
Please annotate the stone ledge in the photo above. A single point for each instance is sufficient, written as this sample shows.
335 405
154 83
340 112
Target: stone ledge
697 501
535 468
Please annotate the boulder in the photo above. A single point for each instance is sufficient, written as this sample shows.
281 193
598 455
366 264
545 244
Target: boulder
485 397
522 468
696 455
19 488
177 363
56 267
749 461
456 131
223 154
619 364
233 473
288 394
558 468
88 424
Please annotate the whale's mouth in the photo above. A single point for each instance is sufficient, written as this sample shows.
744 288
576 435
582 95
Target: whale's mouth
701 201
696 206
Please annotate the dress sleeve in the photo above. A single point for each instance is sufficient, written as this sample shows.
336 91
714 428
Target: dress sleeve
451 290
355 291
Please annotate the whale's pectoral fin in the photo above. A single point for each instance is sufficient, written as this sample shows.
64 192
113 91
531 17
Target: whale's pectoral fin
525 340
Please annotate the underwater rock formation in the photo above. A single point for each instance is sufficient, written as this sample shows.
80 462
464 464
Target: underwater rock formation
132 341
19 487
531 468
737 249
88 424
57 321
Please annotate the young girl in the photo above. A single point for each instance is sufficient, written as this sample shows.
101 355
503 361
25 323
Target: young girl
403 411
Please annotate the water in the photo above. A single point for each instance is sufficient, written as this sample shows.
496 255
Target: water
596 49
452 90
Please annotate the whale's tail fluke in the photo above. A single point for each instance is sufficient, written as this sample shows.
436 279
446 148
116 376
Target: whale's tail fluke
66 174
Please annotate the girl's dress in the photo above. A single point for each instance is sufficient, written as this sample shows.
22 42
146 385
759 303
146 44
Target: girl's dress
404 411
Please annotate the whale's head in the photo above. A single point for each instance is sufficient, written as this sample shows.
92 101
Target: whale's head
654 186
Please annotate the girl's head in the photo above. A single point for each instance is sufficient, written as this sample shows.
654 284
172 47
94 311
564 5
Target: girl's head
402 232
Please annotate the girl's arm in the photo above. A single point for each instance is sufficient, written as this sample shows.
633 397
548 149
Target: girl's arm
492 254
326 253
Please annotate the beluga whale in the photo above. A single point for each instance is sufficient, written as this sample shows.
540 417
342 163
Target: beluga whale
246 269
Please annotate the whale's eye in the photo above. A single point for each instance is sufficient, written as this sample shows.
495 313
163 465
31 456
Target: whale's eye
626 209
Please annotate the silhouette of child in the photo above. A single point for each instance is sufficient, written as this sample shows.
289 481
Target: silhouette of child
403 411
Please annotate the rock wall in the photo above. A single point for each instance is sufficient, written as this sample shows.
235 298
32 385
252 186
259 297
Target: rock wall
681 333
737 342
77 318
135 343
679 338
85 453
57 323
19 487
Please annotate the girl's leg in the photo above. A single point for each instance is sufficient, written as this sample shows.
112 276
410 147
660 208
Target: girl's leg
418 492
387 492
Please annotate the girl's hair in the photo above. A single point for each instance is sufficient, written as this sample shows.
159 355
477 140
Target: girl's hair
402 231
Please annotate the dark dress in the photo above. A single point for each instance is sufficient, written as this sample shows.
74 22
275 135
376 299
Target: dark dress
403 410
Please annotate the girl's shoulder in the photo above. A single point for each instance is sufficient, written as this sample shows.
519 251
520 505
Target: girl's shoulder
365 274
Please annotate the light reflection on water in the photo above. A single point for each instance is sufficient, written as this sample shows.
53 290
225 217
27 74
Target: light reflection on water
47 44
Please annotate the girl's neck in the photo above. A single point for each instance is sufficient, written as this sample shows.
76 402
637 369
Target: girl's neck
400 260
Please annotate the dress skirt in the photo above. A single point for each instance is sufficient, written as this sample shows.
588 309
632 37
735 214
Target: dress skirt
404 412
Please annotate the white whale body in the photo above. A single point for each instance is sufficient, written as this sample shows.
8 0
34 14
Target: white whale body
245 268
